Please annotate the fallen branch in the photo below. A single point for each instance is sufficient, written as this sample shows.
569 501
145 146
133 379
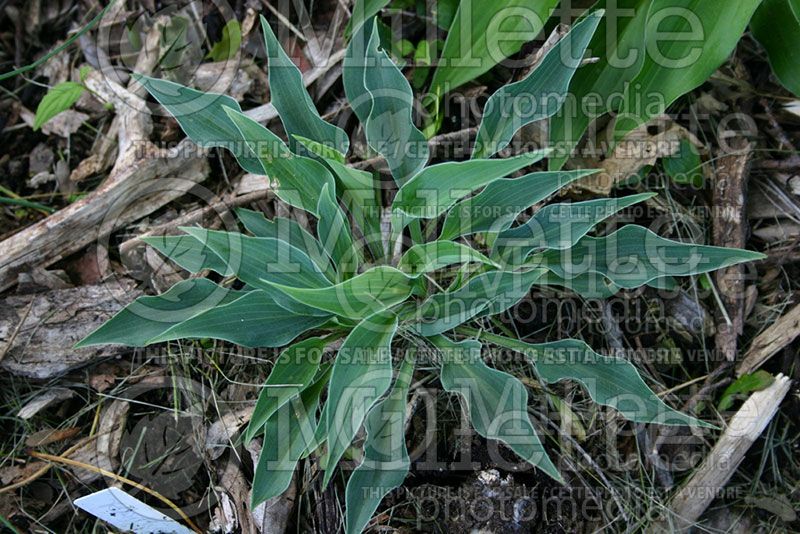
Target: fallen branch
770 341
720 464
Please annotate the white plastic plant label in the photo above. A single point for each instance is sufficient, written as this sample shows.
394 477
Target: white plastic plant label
129 514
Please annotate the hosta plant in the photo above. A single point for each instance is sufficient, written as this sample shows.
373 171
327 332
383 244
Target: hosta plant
353 300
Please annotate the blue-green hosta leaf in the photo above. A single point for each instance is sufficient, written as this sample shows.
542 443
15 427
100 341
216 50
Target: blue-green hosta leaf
362 372
482 34
147 317
390 126
363 10
673 67
497 402
560 226
287 434
353 67
334 234
618 45
300 179
428 257
290 231
189 253
537 96
386 462
291 100
495 290
253 320
360 194
634 256
359 297
203 118
436 188
318 149
496 207
293 371
610 381
254 259
776 25
588 285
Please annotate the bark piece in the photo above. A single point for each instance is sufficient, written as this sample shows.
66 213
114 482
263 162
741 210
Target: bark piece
715 471
770 341
48 325
730 230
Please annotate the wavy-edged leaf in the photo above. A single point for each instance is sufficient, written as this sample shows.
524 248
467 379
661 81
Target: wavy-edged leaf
619 49
386 462
147 317
609 380
353 66
189 253
359 297
253 320
497 402
254 259
588 285
203 118
334 234
290 231
363 10
537 96
360 194
389 127
495 291
428 257
776 25
293 371
362 372
300 179
496 207
673 67
633 256
482 34
560 226
438 187
318 149
291 100
287 434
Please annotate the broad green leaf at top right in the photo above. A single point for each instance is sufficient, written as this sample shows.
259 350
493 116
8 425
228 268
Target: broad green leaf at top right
776 25
650 53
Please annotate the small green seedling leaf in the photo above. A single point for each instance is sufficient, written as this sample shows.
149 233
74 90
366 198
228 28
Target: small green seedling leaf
59 98
744 385
228 45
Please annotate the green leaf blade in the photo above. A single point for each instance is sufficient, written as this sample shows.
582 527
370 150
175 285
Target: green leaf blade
59 98
357 298
288 94
389 127
386 462
496 207
147 317
438 187
497 402
362 373
506 111
253 320
633 256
